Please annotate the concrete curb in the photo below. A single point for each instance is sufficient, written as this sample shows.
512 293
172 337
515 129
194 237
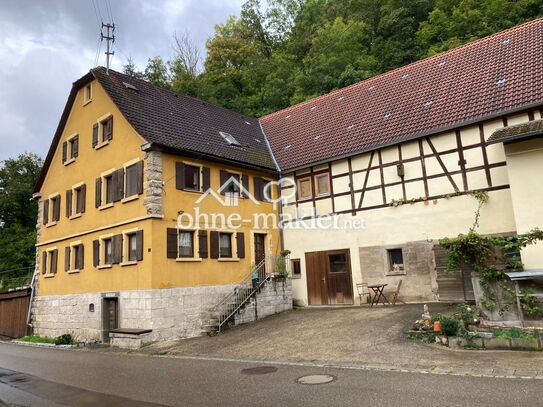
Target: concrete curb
43 345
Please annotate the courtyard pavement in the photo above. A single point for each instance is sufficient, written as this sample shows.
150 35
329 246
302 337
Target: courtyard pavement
357 337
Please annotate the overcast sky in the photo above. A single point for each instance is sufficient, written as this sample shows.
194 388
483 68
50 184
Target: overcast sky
45 45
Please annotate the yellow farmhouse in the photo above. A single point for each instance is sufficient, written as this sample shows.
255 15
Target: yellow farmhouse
371 176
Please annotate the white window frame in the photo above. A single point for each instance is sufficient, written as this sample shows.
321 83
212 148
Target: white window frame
126 246
71 268
125 180
102 252
101 142
87 96
69 157
49 264
195 244
317 193
200 176
73 213
103 192
51 209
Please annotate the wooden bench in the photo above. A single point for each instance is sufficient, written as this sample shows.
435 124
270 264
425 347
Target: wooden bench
129 338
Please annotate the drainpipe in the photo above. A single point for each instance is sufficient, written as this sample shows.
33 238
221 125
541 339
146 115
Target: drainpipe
29 314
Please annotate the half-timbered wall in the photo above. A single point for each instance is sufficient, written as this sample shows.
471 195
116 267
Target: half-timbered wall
417 190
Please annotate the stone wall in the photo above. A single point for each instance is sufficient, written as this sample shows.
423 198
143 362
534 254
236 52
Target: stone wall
153 185
171 313
274 297
419 275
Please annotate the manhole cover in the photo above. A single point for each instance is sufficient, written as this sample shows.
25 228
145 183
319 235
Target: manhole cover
259 370
316 379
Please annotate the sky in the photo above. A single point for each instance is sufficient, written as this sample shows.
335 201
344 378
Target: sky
46 45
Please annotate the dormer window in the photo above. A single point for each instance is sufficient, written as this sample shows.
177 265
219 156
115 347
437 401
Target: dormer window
229 139
87 94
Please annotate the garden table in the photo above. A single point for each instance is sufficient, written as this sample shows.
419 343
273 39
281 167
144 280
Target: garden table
378 294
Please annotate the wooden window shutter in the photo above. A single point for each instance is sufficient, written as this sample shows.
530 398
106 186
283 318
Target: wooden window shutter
67 258
117 243
139 245
140 177
202 244
240 240
45 211
224 175
69 203
94 135
214 237
118 185
95 253
75 147
64 151
206 178
245 185
80 261
56 209
54 261
44 262
258 191
171 243
109 128
98 193
179 175
83 198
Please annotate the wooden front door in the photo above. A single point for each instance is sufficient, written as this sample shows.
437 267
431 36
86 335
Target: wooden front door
260 249
110 316
329 277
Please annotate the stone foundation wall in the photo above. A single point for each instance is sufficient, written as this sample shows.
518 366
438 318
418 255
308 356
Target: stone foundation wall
419 278
171 313
274 297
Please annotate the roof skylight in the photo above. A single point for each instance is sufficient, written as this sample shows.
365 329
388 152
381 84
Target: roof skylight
130 86
229 138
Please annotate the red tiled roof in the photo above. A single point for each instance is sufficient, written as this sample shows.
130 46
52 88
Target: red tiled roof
499 73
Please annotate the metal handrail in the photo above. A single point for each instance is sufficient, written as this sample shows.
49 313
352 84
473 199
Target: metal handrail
245 290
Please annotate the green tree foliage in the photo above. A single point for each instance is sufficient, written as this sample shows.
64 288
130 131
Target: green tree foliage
18 213
280 52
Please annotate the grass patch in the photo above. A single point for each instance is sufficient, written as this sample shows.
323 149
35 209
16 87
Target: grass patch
37 339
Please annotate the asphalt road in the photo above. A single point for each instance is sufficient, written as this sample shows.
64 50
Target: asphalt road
49 377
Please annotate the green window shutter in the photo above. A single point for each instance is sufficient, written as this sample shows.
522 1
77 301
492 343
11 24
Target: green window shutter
171 243
94 135
214 237
202 244
240 240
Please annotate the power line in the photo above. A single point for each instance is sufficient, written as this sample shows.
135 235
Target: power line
17 269
108 8
98 19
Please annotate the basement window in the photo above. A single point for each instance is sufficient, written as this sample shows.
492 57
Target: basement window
229 139
395 261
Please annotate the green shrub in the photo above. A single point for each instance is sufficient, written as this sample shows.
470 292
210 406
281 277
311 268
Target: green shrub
65 339
37 339
450 326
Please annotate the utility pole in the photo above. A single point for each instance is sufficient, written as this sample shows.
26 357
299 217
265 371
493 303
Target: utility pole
109 36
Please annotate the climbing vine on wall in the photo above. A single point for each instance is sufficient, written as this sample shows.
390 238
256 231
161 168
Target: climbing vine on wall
492 257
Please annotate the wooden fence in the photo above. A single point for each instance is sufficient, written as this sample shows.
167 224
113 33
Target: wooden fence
13 313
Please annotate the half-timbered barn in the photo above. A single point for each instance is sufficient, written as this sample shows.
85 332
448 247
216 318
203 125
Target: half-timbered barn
403 152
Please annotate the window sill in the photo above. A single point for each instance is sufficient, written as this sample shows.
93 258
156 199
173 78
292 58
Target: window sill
188 259
104 266
227 259
196 191
130 198
296 277
48 275
68 162
73 271
109 205
77 215
400 273
100 145
51 224
305 199
128 263
86 102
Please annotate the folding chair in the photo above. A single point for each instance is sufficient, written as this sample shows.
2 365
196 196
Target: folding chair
363 291
396 294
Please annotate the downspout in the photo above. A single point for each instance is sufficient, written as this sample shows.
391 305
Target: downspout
281 236
29 314
36 196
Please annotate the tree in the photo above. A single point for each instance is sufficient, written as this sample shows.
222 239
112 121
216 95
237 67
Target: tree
18 216
130 69
157 72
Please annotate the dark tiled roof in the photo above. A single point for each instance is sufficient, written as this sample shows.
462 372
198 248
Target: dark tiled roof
517 132
496 74
185 124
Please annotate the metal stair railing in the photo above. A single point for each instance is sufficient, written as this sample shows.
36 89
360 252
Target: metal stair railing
227 307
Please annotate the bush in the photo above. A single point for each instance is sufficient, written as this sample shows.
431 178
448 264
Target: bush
450 326
65 339
36 339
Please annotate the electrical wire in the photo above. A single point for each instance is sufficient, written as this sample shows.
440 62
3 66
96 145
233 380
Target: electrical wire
17 269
